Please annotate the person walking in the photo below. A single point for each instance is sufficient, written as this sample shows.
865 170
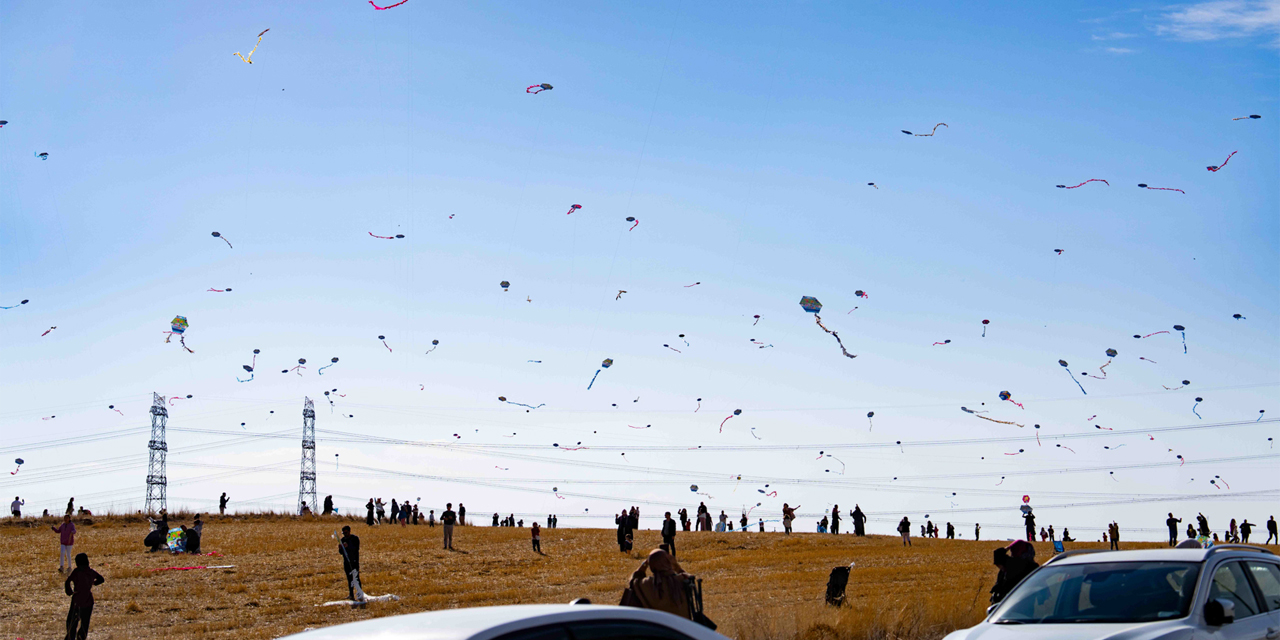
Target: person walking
1172 523
15 507
1271 530
788 516
462 515
222 504
977 531
448 518
381 508
1114 530
349 549
835 519
951 532
66 538
904 527
79 585
1246 528
537 537
669 533
859 521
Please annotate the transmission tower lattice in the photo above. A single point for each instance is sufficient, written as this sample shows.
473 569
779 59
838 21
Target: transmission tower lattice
307 479
157 481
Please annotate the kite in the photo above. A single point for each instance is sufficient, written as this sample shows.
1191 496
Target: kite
1005 395
759 345
700 406
1144 186
301 361
573 207
943 342
49 418
1098 426
1184 383
1148 360
811 305
51 329
224 238
250 367
635 427
384 343
632 219
899 443
736 412
397 236
823 454
997 484
179 326
753 434
19 462
1058 251
692 285
26 301
435 344
757 317
1183 330
504 284
681 336
1014 454
1234 315
984 327
504 399
1246 118
1038 436
1214 168
390 6
604 364
872 184
113 408
926 135
1261 412
3 123
1111 353
1193 407
1063 186
540 88
871 414
228 289
861 294
249 59
42 156
1063 364
1223 481
1149 334
968 410
672 348
1067 448
332 361
1113 475
173 399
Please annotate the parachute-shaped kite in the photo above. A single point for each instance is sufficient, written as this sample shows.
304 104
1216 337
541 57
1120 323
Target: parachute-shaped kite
540 88
1111 353
984 327
19 462
504 284
179 326
332 361
1008 397
224 239
434 345
1183 330
573 207
632 219
605 364
26 301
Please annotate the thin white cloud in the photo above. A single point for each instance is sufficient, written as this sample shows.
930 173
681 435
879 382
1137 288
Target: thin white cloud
1115 35
1220 19
1119 50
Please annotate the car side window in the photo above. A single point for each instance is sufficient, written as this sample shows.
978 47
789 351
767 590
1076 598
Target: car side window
623 630
548 632
1267 577
1230 583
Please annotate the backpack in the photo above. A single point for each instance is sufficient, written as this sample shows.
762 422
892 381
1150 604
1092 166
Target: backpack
836 584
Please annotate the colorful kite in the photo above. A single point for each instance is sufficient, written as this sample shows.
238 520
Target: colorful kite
604 364
872 184
390 6
692 285
1144 186
811 305
1067 448
249 59
26 301
1183 330
299 368
1063 186
3 123
736 412
1214 168
540 88
505 285
573 207
179 326
332 361
1247 118
1008 397
1193 407
1058 251
1261 412
397 236
700 406
250 367
926 135
1063 364
632 219
227 290
224 239
19 462
173 399
757 317
861 294
672 348
55 327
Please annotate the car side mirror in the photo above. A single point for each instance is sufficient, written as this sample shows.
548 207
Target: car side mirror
1218 612
992 608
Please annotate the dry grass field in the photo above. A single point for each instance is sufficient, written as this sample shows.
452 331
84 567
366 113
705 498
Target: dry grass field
757 586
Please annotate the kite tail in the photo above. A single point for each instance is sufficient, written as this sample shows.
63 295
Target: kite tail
999 421
1073 379
1193 410
593 380
1224 163
321 369
526 405
238 380
1069 449
722 423
634 225
1184 343
183 341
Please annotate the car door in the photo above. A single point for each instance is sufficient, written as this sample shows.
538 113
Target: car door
1266 575
623 630
1231 582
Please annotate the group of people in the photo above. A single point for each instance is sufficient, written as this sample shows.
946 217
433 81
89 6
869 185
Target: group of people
184 540
403 513
1235 533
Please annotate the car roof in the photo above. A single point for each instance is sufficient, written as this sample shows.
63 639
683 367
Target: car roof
480 623
1159 555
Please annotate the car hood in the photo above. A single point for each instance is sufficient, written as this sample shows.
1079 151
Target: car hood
1124 631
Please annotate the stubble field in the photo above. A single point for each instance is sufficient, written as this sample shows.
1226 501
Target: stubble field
757 586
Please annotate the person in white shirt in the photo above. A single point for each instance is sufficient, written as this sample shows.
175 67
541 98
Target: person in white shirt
15 508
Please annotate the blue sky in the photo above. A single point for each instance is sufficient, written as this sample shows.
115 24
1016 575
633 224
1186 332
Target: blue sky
742 137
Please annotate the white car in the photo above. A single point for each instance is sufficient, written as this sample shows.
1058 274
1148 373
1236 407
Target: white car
522 622
1226 592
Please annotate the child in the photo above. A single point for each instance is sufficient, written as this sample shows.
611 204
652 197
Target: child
537 538
83 579
66 537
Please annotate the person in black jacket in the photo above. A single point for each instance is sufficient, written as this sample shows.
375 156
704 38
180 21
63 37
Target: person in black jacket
859 521
328 506
624 531
191 540
368 519
1173 523
1015 562
669 534
349 549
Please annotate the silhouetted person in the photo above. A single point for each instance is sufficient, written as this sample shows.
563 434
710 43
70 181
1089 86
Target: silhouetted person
368 518
79 585
328 505
977 531
1271 530
624 532
1114 530
951 532
222 504
15 507
1030 521
1191 531
669 533
1172 523
835 519
448 518
665 590
1246 528
349 549
859 521
1015 562
191 540
904 527
495 519
462 515
684 518
1203 523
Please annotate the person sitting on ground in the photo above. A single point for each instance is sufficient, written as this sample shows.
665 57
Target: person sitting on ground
1015 562
666 589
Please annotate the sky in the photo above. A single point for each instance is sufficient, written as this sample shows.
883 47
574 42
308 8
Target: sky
742 139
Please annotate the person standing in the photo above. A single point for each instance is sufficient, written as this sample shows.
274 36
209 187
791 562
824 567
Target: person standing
1233 533
1172 523
1203 523
1246 528
395 511
624 531
71 509
15 507
537 537
1271 530
1191 531
977 531
495 519
1029 519
669 532
448 518
349 549
462 515
328 506
431 518
555 521
79 585
904 527
368 518
835 519
859 521
66 538
1114 530
684 518
222 504
951 532
788 515
1052 537
635 518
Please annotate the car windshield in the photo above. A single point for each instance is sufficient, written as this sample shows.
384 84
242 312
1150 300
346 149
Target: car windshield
1103 592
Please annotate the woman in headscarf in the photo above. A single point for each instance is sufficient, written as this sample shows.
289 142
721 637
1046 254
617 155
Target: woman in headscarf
788 515
665 589
369 518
